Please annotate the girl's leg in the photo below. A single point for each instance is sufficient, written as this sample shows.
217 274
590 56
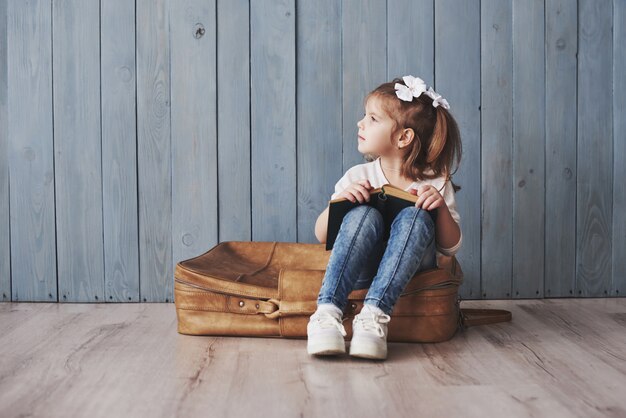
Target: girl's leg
410 248
369 269
360 232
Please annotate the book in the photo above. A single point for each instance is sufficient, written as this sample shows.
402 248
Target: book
388 199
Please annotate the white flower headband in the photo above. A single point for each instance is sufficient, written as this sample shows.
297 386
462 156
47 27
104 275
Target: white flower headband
416 86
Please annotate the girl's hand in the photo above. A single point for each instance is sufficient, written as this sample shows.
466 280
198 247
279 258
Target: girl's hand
359 190
429 197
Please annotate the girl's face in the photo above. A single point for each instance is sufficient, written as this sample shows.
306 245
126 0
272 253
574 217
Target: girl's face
375 130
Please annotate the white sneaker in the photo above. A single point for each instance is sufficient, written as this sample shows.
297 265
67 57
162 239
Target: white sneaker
325 332
369 333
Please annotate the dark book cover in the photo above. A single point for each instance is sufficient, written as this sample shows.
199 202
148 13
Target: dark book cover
388 199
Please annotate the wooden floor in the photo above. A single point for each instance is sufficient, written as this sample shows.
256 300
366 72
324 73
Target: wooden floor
557 358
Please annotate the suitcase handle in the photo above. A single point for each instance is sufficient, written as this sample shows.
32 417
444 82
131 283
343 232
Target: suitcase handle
290 308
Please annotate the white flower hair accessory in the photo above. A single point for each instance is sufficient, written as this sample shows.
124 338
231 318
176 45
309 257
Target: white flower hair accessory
414 87
437 99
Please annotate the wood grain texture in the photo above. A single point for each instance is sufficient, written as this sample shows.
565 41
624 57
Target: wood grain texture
594 181
119 151
619 148
561 46
273 119
496 149
411 30
194 128
457 72
31 152
154 166
319 119
557 358
77 150
233 120
364 57
5 241
529 137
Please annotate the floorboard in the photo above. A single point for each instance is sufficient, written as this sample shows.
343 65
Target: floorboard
556 358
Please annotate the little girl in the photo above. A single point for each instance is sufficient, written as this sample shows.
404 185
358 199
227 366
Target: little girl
410 140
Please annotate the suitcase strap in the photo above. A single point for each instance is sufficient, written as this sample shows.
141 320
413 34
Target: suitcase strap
274 308
479 316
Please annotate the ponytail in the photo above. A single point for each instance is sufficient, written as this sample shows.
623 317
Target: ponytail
438 141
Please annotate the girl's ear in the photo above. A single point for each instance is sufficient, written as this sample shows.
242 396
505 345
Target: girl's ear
407 135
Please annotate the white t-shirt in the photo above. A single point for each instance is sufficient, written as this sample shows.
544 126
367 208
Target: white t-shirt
373 172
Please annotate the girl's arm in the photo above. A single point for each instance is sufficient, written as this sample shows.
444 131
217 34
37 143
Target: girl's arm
447 230
321 226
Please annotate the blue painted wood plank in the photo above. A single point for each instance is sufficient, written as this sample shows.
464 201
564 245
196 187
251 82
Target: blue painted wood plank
457 72
154 167
273 119
233 120
119 151
364 52
411 38
529 138
194 127
31 155
560 194
318 95
496 149
594 212
77 150
5 242
619 149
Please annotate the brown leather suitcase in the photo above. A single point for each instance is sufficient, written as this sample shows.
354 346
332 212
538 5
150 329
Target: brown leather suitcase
270 288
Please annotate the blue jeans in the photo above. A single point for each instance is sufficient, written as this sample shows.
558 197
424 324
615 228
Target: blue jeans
360 258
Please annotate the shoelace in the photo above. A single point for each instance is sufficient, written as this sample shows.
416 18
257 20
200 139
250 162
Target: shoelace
372 322
326 319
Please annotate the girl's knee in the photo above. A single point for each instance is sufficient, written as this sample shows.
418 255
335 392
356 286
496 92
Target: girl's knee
409 213
365 216
370 213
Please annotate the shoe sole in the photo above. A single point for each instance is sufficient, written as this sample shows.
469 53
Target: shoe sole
326 352
326 348
365 350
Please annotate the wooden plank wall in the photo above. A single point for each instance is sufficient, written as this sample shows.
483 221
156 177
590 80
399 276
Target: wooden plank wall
136 135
